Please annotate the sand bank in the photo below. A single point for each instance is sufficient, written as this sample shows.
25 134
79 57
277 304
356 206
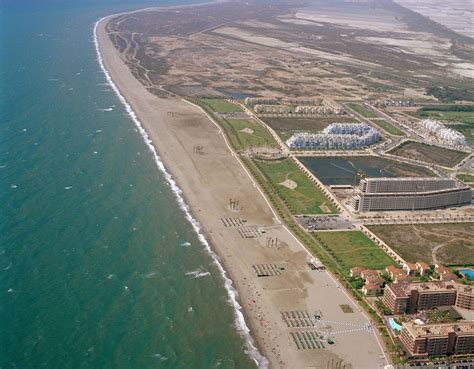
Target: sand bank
208 180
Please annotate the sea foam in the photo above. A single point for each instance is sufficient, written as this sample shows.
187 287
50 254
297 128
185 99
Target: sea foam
198 273
240 323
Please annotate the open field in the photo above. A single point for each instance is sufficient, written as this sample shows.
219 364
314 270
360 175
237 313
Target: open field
286 127
452 113
349 170
466 178
455 14
388 127
456 116
340 50
429 153
221 105
447 243
467 129
247 133
242 133
362 110
296 190
353 248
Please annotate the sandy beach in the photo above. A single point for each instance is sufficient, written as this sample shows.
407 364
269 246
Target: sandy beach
208 180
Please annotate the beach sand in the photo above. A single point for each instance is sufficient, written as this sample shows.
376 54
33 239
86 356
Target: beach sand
208 180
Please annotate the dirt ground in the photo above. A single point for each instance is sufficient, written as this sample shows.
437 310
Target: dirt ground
446 243
366 53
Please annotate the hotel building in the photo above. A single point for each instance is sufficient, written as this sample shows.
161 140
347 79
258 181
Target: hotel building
438 339
410 297
386 194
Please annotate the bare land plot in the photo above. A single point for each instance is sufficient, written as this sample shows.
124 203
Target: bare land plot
354 249
286 127
455 14
279 51
429 154
448 243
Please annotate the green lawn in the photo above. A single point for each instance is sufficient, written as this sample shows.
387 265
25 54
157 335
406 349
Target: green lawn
390 128
221 105
459 116
246 133
353 248
305 197
242 133
362 110
466 129
466 178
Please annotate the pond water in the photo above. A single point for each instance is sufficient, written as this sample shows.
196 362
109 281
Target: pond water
349 170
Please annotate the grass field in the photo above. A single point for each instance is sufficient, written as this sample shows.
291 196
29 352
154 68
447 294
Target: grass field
353 248
221 105
300 195
416 242
467 129
367 113
429 154
286 127
242 133
247 133
458 116
388 127
466 178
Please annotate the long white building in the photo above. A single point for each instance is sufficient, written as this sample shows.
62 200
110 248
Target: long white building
442 133
386 194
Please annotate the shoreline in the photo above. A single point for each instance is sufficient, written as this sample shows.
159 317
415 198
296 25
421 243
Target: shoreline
233 297
202 207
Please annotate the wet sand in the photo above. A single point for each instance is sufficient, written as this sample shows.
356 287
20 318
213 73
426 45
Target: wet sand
208 180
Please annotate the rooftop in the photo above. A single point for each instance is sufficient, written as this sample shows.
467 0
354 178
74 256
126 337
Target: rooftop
402 289
411 179
422 265
433 330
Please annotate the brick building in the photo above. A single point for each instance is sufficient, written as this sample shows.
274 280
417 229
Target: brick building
410 297
438 339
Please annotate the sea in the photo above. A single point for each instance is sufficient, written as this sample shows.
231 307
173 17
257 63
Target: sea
101 263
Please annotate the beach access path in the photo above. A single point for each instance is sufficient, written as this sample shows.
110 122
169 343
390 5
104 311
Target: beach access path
209 179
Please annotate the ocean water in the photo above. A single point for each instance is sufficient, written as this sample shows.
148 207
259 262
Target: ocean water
101 265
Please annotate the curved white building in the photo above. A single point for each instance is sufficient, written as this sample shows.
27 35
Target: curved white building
336 136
